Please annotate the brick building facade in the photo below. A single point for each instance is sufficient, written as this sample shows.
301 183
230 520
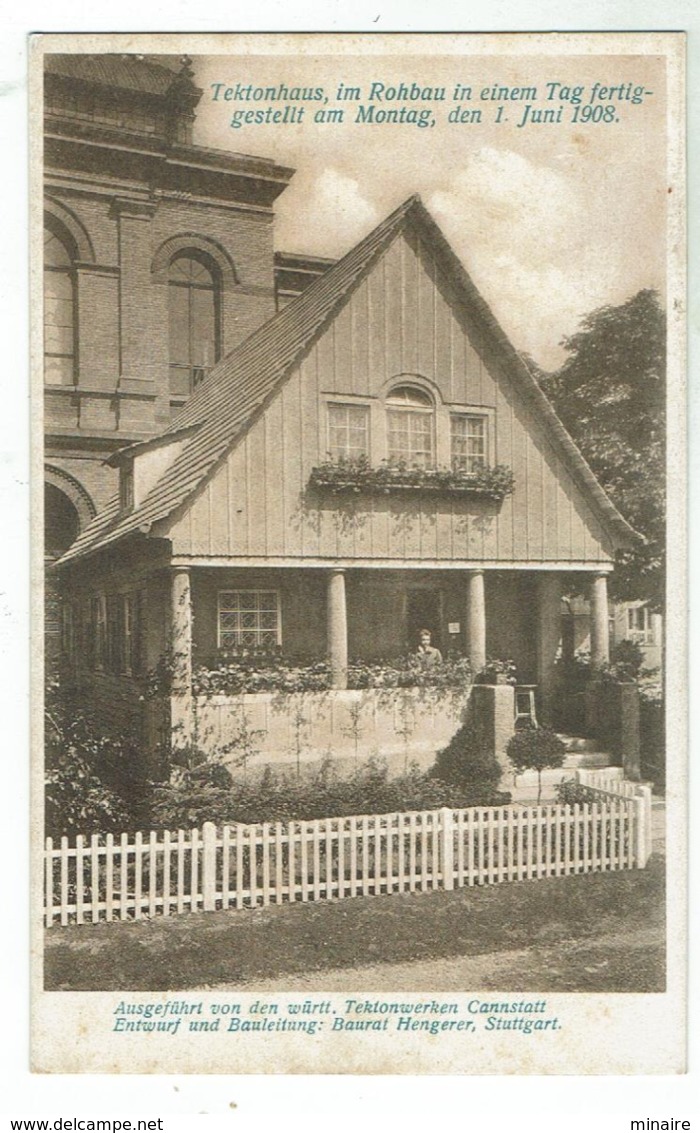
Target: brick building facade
159 260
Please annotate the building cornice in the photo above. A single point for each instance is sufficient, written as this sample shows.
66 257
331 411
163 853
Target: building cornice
254 177
258 563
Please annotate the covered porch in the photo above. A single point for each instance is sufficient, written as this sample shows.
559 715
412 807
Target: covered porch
348 615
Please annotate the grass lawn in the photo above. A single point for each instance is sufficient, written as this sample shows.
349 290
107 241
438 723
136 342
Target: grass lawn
563 917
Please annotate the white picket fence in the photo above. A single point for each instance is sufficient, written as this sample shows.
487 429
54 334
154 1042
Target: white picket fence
107 878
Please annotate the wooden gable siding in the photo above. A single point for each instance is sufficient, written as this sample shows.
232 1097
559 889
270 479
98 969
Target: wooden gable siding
401 319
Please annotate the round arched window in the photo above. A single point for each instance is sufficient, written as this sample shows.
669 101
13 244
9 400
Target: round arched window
194 322
59 311
411 426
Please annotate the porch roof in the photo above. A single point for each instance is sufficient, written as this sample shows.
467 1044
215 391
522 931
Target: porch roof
240 387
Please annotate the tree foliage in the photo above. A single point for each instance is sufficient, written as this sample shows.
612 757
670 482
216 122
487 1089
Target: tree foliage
535 749
610 395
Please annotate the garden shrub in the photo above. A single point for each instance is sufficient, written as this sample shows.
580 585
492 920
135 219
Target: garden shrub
468 764
652 723
93 782
193 797
570 791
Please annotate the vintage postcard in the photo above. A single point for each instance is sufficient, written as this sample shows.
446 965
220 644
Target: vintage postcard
357 363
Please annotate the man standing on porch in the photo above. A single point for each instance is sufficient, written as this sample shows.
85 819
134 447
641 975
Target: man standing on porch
426 653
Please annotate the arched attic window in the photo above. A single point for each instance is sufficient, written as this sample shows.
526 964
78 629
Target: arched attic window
59 309
193 307
411 426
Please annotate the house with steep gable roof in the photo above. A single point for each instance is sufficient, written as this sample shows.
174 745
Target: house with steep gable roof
374 460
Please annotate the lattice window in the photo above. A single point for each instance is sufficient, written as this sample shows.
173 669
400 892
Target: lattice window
348 431
469 442
248 619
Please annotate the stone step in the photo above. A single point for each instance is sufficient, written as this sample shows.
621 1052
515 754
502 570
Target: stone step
577 743
523 788
587 759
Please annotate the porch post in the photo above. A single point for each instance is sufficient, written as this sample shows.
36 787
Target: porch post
600 645
337 622
476 620
181 645
549 590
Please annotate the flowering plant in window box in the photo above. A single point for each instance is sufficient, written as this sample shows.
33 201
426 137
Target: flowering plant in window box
355 475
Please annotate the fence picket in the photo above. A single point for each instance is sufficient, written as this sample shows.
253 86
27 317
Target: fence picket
604 836
329 858
479 819
423 851
359 855
566 840
253 865
279 864
166 873
460 848
531 834
340 830
138 874
180 870
79 881
540 818
471 875
94 879
595 824
577 838
434 841
152 873
586 837
353 856
365 855
64 880
292 859
265 848
194 870
400 853
389 867
316 860
240 867
501 841
48 882
304 857
377 883
412 837
124 877
225 866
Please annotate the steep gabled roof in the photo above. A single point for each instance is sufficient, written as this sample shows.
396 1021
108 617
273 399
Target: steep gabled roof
242 383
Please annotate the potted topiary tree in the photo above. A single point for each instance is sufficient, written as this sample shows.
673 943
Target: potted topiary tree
535 749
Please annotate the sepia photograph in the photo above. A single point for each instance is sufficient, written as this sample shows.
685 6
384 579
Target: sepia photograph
356 359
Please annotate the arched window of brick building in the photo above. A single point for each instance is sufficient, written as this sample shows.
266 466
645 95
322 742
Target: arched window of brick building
193 303
59 310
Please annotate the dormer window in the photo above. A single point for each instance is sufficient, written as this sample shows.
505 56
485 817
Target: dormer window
126 487
411 427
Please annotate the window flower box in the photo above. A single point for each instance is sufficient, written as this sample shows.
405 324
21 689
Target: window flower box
357 476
